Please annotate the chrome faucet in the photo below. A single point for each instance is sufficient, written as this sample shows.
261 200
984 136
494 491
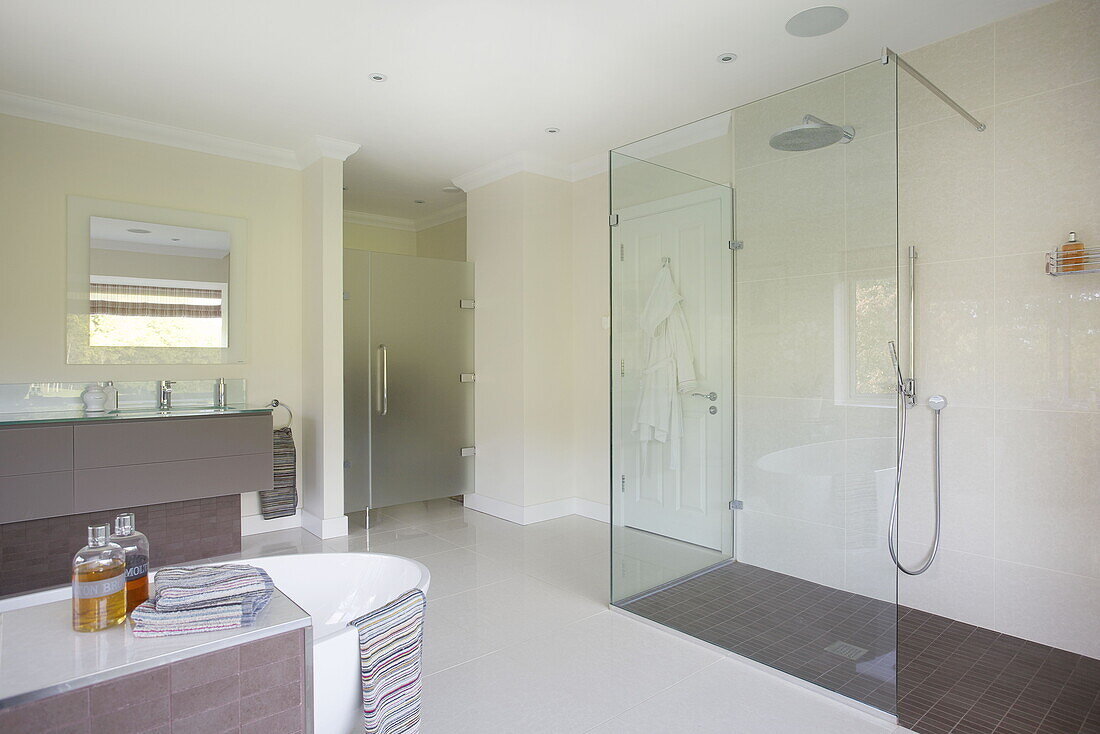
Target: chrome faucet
165 400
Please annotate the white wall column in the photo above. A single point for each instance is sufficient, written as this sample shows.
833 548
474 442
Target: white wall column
322 409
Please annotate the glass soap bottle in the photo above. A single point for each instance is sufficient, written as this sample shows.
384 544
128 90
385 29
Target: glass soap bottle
136 547
99 582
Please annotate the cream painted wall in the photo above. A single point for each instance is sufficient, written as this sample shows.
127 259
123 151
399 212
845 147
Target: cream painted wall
495 215
147 265
591 340
379 239
43 163
446 241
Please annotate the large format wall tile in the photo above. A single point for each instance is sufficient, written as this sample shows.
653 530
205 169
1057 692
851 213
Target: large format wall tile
1046 337
1047 502
967 468
871 197
945 188
797 548
790 215
1048 168
962 66
955 331
1057 609
958 585
784 343
1046 48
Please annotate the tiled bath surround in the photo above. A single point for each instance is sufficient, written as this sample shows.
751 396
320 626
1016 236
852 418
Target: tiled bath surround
1014 350
37 554
255 688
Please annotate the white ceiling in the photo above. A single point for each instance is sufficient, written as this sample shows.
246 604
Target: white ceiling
470 81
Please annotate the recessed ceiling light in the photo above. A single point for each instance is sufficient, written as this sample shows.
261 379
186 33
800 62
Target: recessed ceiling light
140 231
452 190
817 21
727 57
376 77
418 201
553 130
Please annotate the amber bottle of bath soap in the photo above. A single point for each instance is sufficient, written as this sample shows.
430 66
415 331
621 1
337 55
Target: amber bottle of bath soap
1070 264
136 547
99 582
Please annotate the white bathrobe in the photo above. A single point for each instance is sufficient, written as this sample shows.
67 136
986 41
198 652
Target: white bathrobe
669 369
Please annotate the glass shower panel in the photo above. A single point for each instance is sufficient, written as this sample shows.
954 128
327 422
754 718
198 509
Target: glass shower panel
816 413
672 375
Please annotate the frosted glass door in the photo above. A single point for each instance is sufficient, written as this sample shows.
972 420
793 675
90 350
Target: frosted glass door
408 343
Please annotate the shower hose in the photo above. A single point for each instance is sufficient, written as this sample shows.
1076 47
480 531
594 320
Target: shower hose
936 403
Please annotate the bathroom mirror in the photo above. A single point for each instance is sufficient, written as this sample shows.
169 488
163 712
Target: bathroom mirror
154 286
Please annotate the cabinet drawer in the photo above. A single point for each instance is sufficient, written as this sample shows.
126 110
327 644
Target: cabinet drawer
170 439
150 484
35 450
31 496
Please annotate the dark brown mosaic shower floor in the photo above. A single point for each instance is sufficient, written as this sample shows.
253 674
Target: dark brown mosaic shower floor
954 678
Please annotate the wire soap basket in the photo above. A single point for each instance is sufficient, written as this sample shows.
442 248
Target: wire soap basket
1073 257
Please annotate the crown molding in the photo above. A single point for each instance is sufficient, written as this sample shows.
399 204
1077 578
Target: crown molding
379 220
322 147
589 167
435 219
699 131
508 166
451 213
82 118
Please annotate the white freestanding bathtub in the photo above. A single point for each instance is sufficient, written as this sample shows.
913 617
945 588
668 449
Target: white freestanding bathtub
335 588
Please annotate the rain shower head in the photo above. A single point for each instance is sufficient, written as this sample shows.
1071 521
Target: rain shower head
812 134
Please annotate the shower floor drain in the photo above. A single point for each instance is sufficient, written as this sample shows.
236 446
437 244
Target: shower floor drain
846 650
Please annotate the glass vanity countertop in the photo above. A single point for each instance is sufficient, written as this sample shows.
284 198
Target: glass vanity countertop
79 416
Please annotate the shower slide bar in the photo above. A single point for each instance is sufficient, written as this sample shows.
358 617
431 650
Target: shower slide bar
888 54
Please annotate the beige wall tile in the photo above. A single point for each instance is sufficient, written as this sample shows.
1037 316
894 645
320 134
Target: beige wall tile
955 306
958 585
1046 337
871 196
1048 169
790 214
962 66
945 183
1046 48
967 469
1047 503
1057 609
784 344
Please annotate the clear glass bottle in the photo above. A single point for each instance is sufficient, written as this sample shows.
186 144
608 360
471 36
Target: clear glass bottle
136 547
99 582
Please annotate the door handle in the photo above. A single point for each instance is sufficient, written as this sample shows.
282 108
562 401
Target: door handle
711 396
383 380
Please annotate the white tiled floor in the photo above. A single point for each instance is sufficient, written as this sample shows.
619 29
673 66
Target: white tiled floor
519 639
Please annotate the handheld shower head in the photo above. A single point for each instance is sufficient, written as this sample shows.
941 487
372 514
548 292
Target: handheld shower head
905 387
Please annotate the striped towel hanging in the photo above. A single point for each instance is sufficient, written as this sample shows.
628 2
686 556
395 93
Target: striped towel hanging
390 652
282 499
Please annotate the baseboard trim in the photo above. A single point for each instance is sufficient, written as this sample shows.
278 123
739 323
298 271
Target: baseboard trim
256 524
331 527
521 515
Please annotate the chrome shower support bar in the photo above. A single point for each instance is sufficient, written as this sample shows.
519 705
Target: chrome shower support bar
887 55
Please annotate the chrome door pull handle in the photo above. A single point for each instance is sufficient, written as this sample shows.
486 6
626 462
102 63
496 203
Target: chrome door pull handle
383 380
711 396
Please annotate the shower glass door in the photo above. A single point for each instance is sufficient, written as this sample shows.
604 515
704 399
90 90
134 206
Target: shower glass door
672 272
769 538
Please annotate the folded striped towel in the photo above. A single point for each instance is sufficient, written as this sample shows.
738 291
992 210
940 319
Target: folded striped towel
203 586
391 641
151 622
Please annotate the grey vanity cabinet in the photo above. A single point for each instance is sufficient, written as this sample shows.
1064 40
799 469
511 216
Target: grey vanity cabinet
84 467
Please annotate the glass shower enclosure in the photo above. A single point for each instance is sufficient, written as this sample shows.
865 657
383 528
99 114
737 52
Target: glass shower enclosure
754 417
